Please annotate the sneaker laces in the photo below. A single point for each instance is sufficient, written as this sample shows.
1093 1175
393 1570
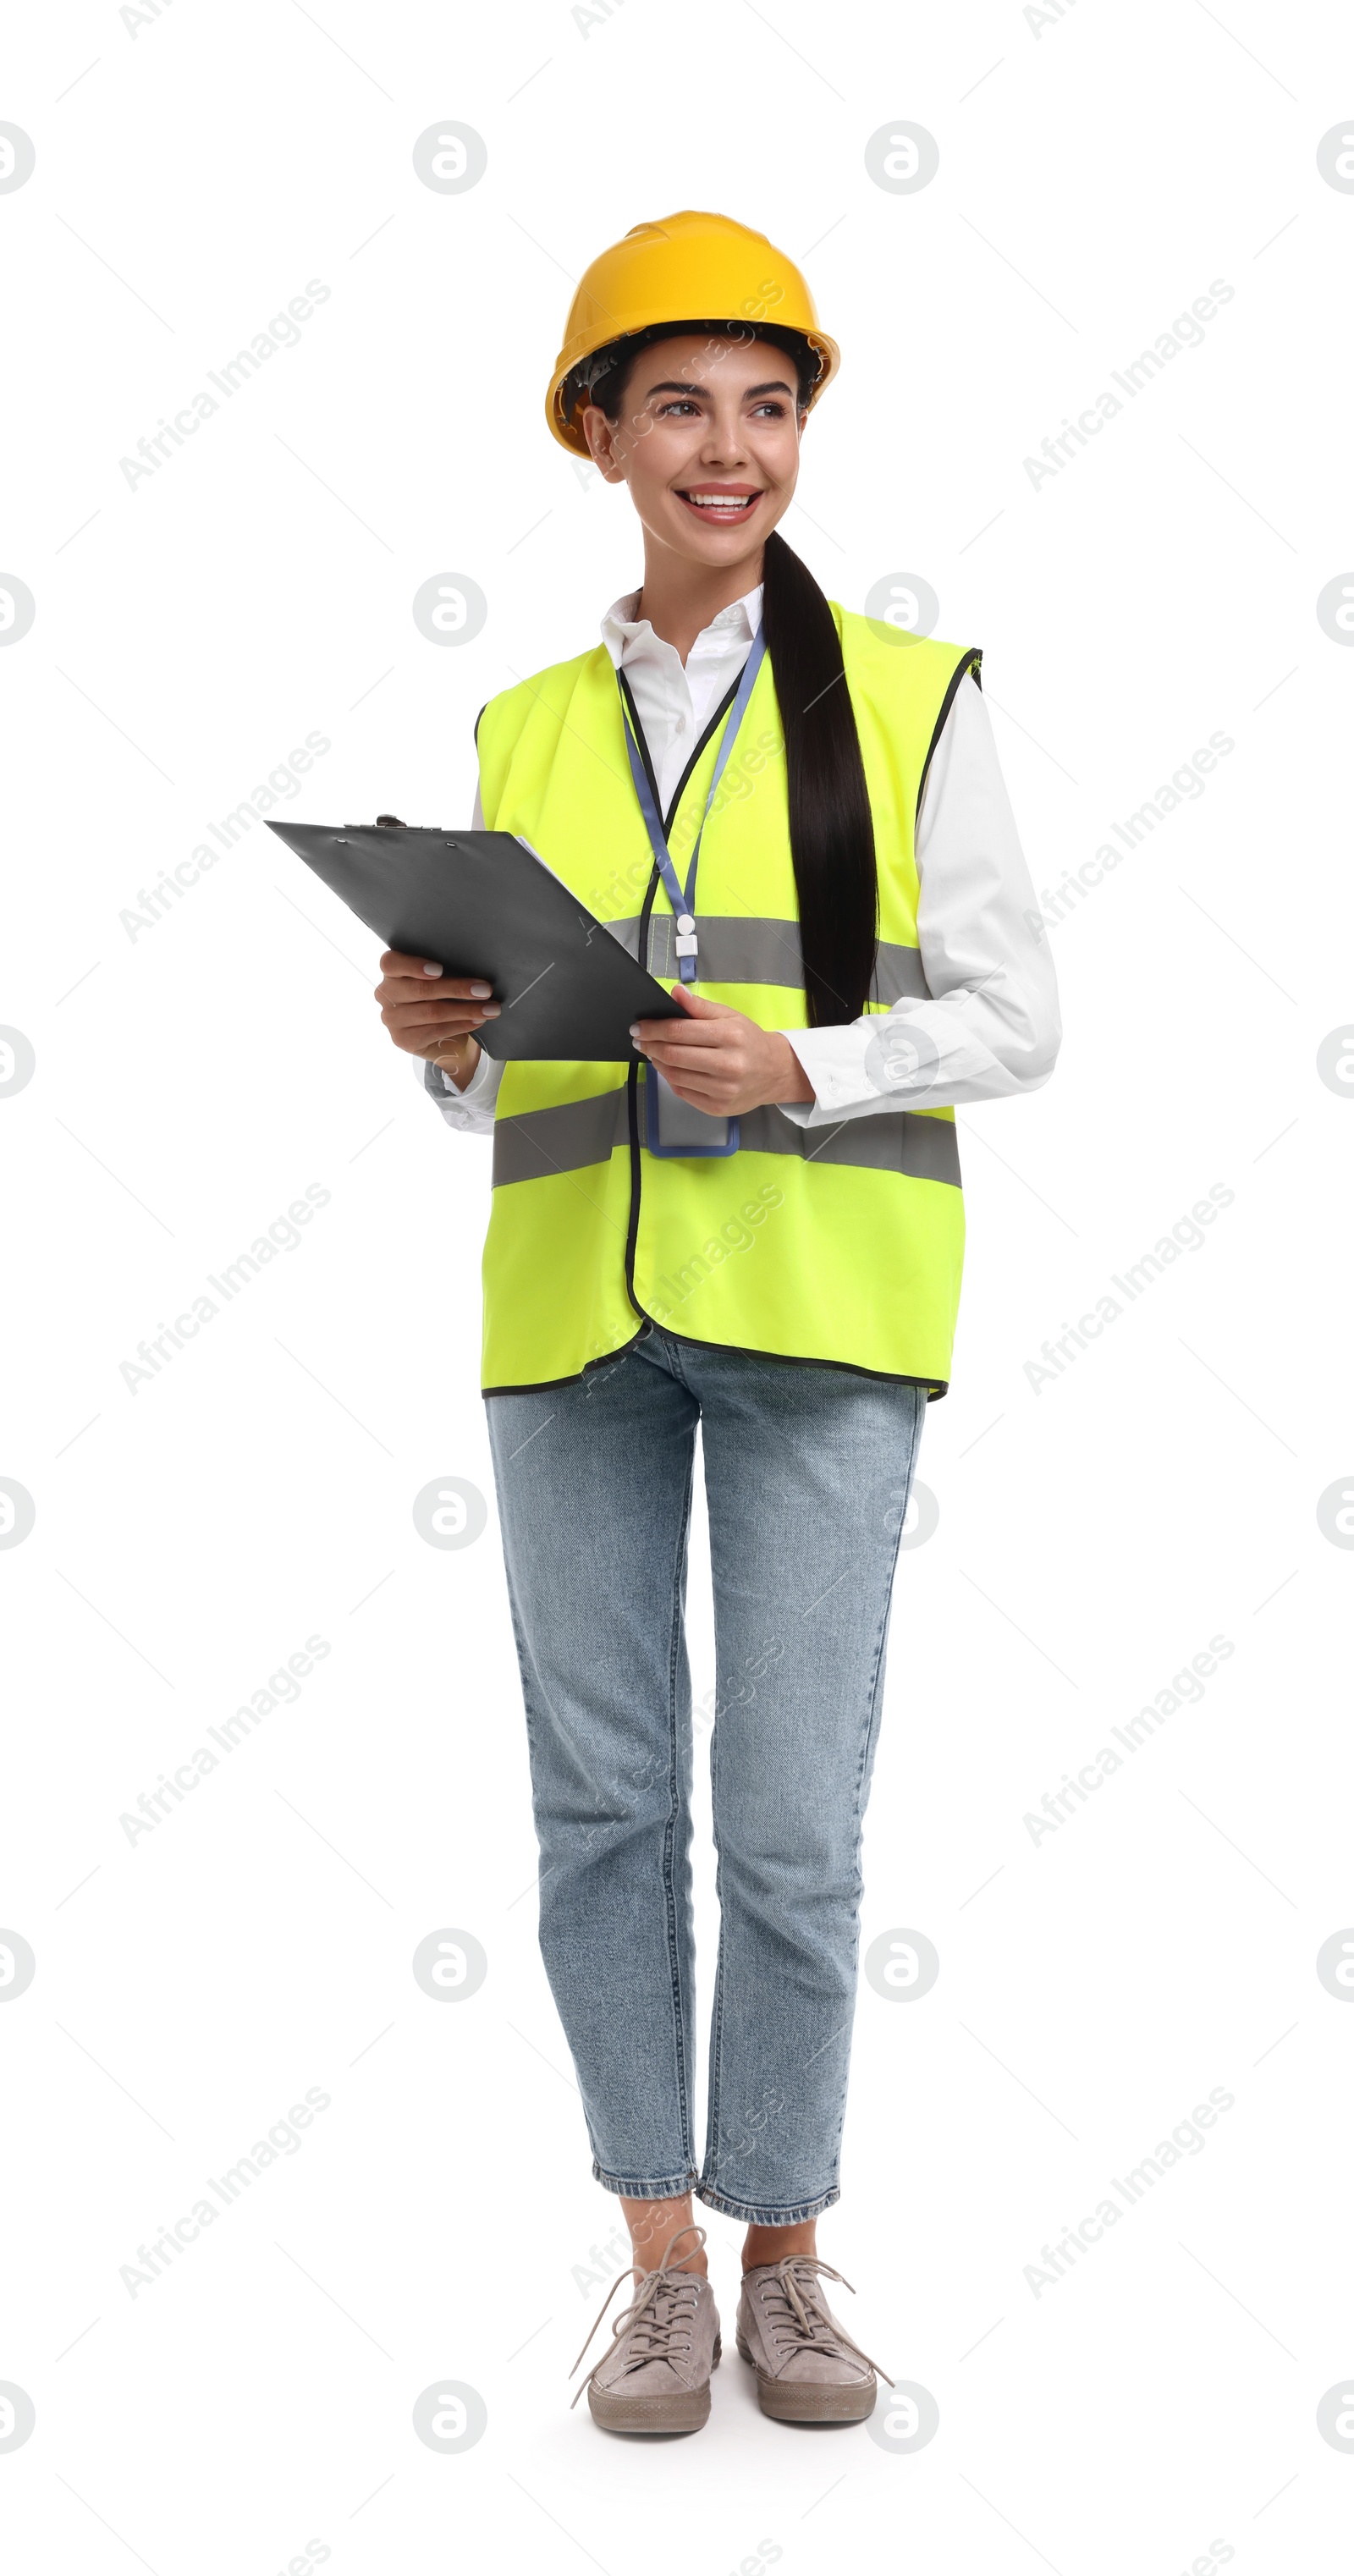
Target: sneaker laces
659 2316
788 2297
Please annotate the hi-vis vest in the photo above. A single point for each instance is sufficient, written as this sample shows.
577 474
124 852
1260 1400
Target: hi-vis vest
839 1244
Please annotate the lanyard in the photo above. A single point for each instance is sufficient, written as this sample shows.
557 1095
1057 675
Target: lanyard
684 904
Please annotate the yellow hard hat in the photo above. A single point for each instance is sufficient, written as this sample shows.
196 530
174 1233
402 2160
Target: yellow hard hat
686 268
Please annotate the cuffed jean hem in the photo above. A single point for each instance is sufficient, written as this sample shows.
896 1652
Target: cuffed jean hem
756 2214
635 2187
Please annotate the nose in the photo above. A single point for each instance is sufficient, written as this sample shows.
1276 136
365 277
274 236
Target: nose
724 443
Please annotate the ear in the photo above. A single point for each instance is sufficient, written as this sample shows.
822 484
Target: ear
600 434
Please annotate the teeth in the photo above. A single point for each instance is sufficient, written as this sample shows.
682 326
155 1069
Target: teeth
717 501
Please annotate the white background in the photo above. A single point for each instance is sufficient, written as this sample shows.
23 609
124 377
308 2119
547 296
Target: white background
1097 172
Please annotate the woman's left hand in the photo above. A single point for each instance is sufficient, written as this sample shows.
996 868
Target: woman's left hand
719 1060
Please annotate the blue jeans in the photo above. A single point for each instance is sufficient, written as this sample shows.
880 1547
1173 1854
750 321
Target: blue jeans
807 1476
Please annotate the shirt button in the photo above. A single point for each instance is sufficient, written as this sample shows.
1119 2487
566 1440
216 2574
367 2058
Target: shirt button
681 724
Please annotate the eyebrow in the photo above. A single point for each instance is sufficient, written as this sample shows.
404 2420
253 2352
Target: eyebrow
777 386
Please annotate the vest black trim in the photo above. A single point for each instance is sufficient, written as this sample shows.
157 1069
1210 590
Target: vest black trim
716 719
972 661
935 1387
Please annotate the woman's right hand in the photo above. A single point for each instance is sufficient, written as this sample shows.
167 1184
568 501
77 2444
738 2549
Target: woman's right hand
432 1014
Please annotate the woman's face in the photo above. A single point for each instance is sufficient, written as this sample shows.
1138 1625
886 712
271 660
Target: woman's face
707 443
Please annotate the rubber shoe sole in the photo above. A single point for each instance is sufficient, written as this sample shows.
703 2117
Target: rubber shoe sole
813 2401
683 2412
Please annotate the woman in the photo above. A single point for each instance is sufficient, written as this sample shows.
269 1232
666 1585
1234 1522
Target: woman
796 817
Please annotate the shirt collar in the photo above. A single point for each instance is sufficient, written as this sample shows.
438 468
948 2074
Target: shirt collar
624 634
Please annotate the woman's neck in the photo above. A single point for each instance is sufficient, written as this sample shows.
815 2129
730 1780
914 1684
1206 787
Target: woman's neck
680 598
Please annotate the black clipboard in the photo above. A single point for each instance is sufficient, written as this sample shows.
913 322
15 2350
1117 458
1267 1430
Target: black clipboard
483 904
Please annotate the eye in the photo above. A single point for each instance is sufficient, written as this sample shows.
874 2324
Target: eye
669 410
773 409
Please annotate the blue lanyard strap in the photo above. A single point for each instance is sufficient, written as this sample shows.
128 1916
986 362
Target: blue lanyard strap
684 903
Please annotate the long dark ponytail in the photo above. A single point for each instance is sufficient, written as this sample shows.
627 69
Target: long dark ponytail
831 827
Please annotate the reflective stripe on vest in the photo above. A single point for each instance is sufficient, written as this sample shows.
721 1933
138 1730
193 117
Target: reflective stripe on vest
738 951
576 1133
840 1244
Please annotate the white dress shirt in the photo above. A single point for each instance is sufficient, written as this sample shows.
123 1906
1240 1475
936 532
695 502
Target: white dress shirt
990 1026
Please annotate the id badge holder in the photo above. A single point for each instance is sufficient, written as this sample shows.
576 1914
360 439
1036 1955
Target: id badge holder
675 1131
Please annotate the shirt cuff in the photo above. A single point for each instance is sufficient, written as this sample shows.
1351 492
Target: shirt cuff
841 1089
484 1078
471 1109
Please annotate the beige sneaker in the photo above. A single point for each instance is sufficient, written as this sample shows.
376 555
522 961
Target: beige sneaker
656 2377
808 2369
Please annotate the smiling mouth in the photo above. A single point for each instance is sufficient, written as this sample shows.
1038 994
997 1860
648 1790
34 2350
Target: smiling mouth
720 505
